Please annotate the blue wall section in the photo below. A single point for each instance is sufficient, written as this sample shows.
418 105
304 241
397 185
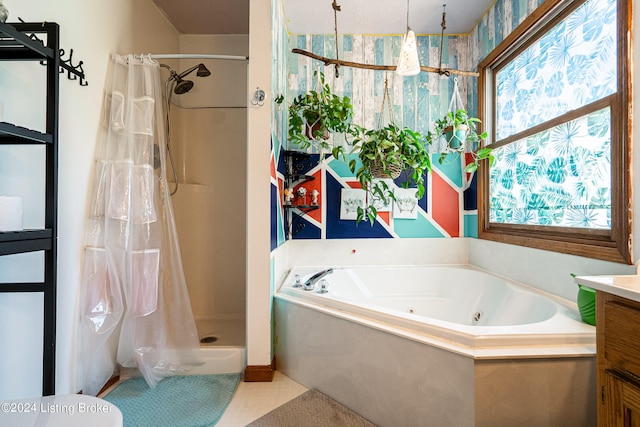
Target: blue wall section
471 196
337 229
303 229
274 217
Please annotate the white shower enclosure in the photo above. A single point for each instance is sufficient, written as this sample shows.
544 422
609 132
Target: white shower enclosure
208 141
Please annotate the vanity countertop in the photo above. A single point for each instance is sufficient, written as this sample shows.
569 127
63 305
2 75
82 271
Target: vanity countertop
626 286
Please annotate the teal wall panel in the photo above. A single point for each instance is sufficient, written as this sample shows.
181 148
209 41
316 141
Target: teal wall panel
471 225
421 227
451 167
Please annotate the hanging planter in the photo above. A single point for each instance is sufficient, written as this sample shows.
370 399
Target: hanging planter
459 132
391 170
456 139
382 151
460 135
316 131
316 114
385 152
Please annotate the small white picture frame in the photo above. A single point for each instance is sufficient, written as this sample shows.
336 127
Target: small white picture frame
406 204
350 200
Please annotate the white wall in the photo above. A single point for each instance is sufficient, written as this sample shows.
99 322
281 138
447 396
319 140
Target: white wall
258 189
549 271
94 29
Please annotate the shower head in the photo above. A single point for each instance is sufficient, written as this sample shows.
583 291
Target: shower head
182 86
202 71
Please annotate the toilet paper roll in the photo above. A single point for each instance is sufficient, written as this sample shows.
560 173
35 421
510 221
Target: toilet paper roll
10 213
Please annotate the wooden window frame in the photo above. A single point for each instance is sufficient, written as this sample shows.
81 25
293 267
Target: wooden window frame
610 245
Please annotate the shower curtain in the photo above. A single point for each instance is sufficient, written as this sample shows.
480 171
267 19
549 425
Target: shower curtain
135 309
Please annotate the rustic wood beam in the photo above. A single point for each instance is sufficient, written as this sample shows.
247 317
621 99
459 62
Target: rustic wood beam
330 61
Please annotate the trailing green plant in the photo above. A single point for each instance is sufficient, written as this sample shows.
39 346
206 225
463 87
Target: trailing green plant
460 133
480 154
317 113
384 153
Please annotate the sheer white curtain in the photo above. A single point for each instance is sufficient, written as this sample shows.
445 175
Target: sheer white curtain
135 309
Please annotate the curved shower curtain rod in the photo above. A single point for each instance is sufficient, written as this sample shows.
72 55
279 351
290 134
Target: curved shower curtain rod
197 56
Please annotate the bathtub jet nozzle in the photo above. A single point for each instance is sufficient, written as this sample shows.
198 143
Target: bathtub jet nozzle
310 284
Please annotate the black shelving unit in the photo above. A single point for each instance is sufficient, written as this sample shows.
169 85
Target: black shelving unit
291 179
23 42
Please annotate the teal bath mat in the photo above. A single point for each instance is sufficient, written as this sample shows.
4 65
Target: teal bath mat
180 401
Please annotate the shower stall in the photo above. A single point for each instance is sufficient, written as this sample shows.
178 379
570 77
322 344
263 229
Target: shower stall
208 140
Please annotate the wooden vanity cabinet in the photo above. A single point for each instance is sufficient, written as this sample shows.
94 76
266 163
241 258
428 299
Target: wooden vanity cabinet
618 360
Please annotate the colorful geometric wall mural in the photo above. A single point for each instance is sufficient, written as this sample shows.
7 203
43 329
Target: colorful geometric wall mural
444 218
448 208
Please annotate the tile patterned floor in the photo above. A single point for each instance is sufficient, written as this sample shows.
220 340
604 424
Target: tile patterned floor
253 400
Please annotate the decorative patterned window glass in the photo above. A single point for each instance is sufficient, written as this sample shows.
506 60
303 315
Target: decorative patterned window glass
558 177
555 100
572 65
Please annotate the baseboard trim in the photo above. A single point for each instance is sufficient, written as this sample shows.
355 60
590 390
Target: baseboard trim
260 373
108 384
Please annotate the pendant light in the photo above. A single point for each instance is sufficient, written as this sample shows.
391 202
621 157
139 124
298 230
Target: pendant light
408 63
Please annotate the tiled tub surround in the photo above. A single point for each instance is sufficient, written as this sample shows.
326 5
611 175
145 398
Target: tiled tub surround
396 375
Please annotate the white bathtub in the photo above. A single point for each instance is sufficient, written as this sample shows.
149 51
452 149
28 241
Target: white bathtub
456 307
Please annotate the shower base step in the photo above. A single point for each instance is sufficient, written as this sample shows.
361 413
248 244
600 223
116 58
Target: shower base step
221 360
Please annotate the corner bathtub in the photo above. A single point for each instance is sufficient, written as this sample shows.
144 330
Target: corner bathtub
460 308
438 346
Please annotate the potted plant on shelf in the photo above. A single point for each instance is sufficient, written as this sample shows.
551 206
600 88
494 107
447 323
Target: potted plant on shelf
459 131
385 153
317 113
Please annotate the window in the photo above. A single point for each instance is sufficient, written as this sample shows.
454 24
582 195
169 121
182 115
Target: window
554 98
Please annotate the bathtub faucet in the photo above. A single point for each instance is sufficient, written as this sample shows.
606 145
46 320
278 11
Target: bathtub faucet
310 284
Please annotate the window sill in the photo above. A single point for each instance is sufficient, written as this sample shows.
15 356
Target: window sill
598 247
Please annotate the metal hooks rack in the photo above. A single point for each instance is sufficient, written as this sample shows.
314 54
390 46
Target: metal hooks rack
74 71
